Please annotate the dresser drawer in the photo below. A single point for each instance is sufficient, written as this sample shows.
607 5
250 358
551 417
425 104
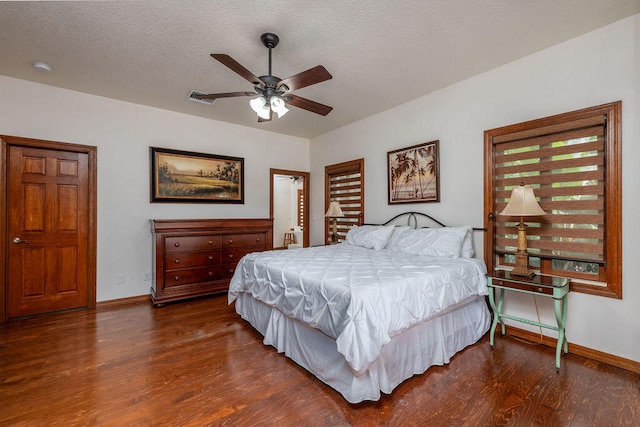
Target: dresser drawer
191 243
191 259
233 255
192 275
535 288
244 240
228 270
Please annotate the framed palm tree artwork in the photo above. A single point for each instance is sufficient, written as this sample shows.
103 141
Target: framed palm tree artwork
413 174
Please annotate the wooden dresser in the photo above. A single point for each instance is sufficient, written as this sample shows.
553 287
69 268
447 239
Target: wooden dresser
196 257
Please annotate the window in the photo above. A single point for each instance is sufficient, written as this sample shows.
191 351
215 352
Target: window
573 163
344 183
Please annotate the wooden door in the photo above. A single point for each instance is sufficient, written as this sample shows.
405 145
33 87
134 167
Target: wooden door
49 233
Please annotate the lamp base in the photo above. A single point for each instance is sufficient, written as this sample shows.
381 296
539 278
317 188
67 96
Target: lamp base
522 265
521 271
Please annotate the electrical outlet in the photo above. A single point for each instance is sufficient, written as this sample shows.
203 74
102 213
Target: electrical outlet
120 279
147 277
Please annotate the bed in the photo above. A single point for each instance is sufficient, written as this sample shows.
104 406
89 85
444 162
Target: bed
366 314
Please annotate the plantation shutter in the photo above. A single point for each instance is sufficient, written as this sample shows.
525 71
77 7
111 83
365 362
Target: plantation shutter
301 219
565 165
345 184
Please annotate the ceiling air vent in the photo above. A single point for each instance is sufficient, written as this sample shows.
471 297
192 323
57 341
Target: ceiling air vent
193 96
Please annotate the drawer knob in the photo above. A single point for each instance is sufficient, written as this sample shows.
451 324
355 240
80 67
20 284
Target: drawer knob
230 241
540 290
177 261
497 282
210 257
210 242
176 244
230 255
231 270
176 278
211 273
258 239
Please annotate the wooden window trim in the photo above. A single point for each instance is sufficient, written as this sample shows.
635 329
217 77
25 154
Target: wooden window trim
352 166
612 285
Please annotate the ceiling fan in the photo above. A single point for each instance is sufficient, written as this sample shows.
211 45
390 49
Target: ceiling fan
273 93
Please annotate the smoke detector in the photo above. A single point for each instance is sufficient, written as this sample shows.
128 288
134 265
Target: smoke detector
41 66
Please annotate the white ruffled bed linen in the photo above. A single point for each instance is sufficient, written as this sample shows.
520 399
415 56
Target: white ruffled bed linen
412 352
359 297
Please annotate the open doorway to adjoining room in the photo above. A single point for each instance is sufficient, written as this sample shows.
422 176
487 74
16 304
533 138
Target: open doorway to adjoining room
289 208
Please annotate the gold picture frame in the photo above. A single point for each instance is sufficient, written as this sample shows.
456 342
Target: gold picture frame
189 177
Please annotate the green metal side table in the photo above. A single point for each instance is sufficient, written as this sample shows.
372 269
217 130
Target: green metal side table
542 285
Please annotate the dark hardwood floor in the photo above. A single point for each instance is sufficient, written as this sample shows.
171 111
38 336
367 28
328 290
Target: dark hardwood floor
197 363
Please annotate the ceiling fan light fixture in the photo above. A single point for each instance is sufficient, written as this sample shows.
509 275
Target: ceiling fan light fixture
278 105
264 112
258 103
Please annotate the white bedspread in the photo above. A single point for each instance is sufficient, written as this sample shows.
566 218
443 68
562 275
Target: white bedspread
359 297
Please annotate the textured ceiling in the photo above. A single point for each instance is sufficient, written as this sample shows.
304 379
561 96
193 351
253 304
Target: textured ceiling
381 53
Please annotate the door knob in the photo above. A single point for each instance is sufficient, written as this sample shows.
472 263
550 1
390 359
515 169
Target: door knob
18 240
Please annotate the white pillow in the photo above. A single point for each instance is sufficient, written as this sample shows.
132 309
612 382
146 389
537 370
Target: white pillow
443 242
467 242
369 236
392 244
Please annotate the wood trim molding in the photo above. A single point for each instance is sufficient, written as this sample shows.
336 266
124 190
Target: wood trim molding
589 353
120 302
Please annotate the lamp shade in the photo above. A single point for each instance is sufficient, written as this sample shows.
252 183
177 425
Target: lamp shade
522 203
334 210
264 113
258 103
260 106
277 105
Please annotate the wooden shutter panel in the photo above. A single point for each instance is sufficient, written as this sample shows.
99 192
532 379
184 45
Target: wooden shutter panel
565 164
345 184
301 218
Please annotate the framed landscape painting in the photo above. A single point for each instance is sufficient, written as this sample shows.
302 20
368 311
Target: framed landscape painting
413 174
184 176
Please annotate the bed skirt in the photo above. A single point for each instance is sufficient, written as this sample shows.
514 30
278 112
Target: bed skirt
411 352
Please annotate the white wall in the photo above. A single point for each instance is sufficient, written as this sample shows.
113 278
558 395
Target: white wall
596 68
123 133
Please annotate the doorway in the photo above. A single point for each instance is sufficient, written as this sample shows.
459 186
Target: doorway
289 208
49 244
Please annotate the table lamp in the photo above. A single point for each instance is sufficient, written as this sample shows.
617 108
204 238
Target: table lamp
522 203
334 212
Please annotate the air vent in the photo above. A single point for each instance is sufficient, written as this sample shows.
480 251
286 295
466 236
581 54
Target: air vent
193 96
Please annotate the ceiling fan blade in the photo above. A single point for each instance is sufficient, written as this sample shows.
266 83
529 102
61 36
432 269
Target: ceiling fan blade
309 105
261 120
306 78
235 66
223 95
